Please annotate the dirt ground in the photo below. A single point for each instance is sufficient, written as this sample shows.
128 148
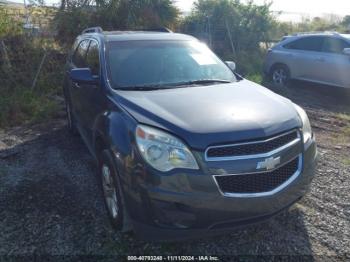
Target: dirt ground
50 203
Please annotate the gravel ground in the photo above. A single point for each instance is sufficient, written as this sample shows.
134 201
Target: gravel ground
50 203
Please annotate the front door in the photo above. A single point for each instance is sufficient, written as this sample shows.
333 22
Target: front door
335 67
92 99
78 61
305 57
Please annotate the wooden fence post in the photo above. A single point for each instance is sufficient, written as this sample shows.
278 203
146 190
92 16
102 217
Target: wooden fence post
230 37
4 54
39 70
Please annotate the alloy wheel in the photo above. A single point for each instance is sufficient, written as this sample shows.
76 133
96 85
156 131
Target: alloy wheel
109 191
279 76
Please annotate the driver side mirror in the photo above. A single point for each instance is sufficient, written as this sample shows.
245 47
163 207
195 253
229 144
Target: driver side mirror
231 65
346 51
83 76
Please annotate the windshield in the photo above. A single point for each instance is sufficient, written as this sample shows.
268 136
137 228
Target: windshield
163 64
346 36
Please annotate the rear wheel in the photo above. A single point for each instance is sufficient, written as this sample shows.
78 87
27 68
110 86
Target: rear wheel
111 190
280 75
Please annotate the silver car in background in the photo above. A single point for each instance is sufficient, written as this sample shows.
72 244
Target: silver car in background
317 57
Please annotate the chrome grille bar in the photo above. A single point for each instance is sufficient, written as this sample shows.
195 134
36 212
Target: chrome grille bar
252 156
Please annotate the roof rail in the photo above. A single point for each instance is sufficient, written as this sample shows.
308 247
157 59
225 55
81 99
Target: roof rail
158 29
89 30
316 32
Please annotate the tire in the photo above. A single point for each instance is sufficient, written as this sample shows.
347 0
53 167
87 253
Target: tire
70 120
280 75
111 190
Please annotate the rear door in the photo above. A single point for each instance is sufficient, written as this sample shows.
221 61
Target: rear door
305 56
336 65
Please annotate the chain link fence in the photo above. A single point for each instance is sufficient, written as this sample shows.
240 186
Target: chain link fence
31 64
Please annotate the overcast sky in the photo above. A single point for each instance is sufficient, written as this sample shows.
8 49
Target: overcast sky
315 7
294 8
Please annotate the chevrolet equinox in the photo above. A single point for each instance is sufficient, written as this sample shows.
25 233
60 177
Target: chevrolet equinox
185 146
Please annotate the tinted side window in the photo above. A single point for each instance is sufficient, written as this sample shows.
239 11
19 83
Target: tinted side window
312 43
334 45
80 54
92 58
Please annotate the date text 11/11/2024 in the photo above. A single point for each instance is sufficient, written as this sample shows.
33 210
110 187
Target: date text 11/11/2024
173 258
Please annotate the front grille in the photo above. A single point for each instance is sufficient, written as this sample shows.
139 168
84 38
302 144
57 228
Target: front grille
257 182
252 147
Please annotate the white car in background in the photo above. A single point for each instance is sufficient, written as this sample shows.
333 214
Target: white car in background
317 57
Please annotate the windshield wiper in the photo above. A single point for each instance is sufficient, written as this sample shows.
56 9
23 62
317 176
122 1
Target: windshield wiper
172 85
142 87
201 81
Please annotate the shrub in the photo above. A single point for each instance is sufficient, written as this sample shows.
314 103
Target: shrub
20 101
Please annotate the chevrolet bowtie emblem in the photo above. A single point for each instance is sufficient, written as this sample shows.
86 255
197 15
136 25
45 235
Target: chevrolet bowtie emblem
269 163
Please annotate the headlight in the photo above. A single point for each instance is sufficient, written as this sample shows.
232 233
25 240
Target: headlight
163 151
307 131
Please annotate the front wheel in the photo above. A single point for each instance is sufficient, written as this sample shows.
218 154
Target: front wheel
111 190
280 75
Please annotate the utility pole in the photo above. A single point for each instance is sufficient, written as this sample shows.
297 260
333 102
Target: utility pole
230 37
209 29
25 10
26 16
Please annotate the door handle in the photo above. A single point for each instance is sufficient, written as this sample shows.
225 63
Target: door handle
76 85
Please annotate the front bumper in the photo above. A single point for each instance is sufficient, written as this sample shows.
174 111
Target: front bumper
188 204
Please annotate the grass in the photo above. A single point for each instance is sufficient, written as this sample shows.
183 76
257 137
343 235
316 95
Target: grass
343 117
343 137
257 78
345 130
346 161
25 106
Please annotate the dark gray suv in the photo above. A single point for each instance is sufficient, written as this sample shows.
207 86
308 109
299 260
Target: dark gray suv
185 147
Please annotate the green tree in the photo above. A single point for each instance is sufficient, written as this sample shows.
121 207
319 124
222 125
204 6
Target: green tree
235 30
75 15
346 23
8 25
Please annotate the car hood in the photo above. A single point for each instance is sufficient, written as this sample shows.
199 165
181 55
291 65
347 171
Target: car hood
215 114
